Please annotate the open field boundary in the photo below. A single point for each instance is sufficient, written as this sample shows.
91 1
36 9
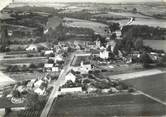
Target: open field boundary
5 80
134 75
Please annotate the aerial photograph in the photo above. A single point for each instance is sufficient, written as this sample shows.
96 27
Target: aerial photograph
82 58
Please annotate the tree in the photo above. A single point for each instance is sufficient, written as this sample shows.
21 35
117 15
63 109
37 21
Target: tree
134 10
138 44
16 94
50 61
145 60
32 66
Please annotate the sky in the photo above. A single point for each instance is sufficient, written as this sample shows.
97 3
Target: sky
4 3
100 1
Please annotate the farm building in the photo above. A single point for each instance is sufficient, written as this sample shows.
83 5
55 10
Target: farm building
71 90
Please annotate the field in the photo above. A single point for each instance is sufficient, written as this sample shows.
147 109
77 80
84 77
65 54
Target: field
53 22
140 20
106 106
97 27
156 44
22 60
152 85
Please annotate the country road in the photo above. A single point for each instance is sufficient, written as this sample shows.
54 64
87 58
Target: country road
59 82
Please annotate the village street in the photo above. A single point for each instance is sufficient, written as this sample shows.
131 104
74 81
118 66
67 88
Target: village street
59 82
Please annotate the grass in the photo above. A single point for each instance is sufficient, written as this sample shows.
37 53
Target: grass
77 60
26 76
152 85
5 102
106 106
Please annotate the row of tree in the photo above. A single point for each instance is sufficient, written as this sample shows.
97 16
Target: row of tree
144 31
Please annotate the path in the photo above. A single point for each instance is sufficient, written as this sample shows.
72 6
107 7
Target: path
153 98
134 75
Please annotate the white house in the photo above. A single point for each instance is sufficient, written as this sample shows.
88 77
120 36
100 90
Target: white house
70 77
91 89
98 43
104 54
48 52
38 83
48 65
55 69
71 90
40 91
58 58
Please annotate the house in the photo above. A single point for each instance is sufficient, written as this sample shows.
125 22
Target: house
84 68
104 54
21 89
91 89
153 56
48 66
98 43
70 77
31 83
32 47
40 91
55 69
58 58
111 44
118 34
71 90
48 52
38 83
91 45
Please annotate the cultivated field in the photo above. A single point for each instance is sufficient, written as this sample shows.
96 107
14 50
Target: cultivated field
106 106
23 60
25 76
97 27
156 44
152 85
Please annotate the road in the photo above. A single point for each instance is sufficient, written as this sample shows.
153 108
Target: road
59 82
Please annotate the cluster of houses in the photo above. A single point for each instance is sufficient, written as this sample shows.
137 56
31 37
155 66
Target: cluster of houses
86 84
38 85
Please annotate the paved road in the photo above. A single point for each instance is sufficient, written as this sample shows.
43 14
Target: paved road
57 84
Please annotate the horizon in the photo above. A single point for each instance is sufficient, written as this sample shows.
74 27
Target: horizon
89 1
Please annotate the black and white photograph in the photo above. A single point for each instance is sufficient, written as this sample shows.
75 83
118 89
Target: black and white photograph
82 58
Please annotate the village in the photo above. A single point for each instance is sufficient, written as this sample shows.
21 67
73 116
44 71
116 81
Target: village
45 60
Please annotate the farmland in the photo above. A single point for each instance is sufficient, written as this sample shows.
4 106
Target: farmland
24 60
152 85
156 44
97 27
116 105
